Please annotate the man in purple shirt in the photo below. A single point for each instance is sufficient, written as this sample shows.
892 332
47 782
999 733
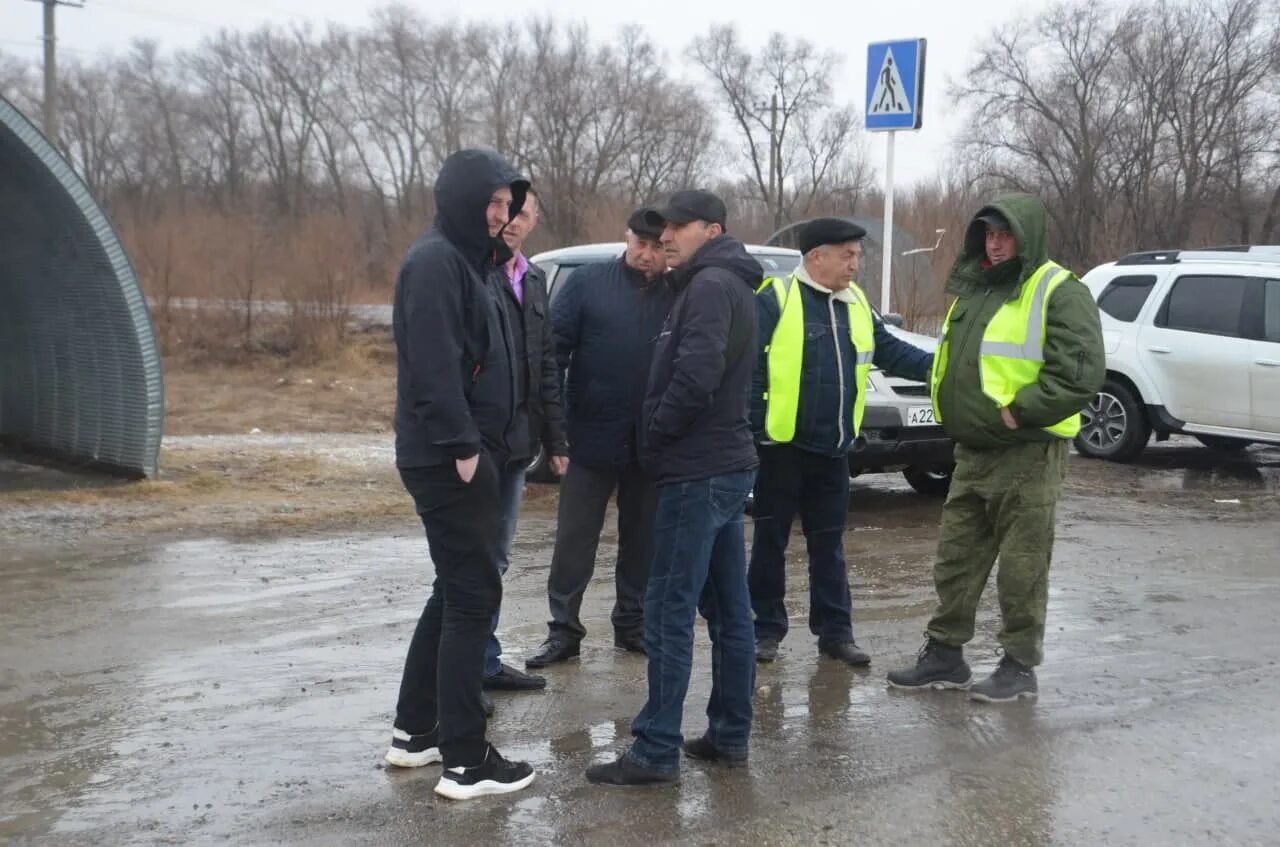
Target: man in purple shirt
521 288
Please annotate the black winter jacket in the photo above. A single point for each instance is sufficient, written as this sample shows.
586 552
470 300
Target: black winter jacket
606 319
696 407
454 353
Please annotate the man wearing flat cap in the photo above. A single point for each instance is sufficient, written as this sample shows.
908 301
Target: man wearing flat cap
818 341
605 319
1021 355
697 444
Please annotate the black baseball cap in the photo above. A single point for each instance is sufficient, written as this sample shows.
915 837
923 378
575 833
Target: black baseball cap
641 225
693 204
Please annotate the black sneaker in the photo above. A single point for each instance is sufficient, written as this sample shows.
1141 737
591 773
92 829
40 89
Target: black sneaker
509 679
766 650
494 775
413 751
938 666
703 750
1011 681
625 771
552 652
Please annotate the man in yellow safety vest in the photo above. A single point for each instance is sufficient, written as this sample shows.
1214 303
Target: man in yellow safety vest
818 340
1021 354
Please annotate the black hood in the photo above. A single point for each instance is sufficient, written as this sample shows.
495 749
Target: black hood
723 251
463 188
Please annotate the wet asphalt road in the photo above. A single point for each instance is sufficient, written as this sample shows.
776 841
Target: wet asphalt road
203 691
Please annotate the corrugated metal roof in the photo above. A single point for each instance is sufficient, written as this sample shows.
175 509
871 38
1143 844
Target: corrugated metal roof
80 371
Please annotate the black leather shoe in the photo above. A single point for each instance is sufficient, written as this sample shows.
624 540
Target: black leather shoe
510 679
766 650
552 652
847 652
630 643
625 771
703 750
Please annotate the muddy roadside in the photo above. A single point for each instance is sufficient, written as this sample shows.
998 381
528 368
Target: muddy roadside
195 688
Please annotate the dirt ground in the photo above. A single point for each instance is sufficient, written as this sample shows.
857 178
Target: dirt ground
212 657
354 391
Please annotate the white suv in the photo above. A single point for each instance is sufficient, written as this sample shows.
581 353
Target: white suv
1193 346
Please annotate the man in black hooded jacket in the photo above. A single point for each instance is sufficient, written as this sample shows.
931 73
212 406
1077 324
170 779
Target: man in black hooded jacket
455 421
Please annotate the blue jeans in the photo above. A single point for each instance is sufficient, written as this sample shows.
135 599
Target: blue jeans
699 563
511 488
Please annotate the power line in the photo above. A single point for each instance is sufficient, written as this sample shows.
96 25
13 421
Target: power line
155 14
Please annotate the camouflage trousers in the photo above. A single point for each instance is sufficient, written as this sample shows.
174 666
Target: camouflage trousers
1002 503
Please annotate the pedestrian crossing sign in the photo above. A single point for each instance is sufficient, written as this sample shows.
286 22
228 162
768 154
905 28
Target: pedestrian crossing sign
895 84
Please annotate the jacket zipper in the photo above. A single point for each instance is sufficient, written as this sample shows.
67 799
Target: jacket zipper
835 340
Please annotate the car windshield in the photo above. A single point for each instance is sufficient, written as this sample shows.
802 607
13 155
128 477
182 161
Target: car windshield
777 264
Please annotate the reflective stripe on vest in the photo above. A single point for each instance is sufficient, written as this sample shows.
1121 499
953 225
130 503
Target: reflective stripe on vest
1012 349
784 354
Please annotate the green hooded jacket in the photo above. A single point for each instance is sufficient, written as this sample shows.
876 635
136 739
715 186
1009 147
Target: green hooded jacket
1074 357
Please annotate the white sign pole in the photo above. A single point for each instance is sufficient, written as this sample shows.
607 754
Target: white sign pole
887 265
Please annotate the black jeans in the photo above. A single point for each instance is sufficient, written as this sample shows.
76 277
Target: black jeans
445 665
790 481
584 496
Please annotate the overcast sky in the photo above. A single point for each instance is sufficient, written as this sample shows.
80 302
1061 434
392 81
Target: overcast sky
953 31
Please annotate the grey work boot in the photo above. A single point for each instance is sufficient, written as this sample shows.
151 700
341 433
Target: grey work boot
1011 681
938 666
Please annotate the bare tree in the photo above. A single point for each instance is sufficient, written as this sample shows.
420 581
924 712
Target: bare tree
779 104
392 107
1045 100
17 83
92 121
220 109
1200 66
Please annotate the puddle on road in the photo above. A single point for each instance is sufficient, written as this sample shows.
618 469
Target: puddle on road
209 689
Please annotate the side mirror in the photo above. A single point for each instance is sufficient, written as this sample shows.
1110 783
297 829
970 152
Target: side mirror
892 319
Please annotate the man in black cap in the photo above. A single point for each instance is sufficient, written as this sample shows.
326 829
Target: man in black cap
818 341
697 444
605 318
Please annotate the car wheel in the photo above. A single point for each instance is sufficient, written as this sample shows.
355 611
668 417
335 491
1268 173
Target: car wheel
1222 442
539 469
1115 426
933 481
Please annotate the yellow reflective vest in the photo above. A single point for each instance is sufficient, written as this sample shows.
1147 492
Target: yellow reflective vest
784 353
1012 351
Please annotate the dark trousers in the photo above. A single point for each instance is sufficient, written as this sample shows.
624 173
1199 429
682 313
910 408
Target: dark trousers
584 495
794 481
442 673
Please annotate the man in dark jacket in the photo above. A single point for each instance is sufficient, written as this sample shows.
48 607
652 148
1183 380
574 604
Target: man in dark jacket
1021 355
455 400
697 444
819 338
606 318
522 290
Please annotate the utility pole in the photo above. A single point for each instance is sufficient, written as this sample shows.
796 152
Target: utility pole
775 163
51 65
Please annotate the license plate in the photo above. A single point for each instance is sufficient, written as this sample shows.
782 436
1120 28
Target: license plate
920 416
